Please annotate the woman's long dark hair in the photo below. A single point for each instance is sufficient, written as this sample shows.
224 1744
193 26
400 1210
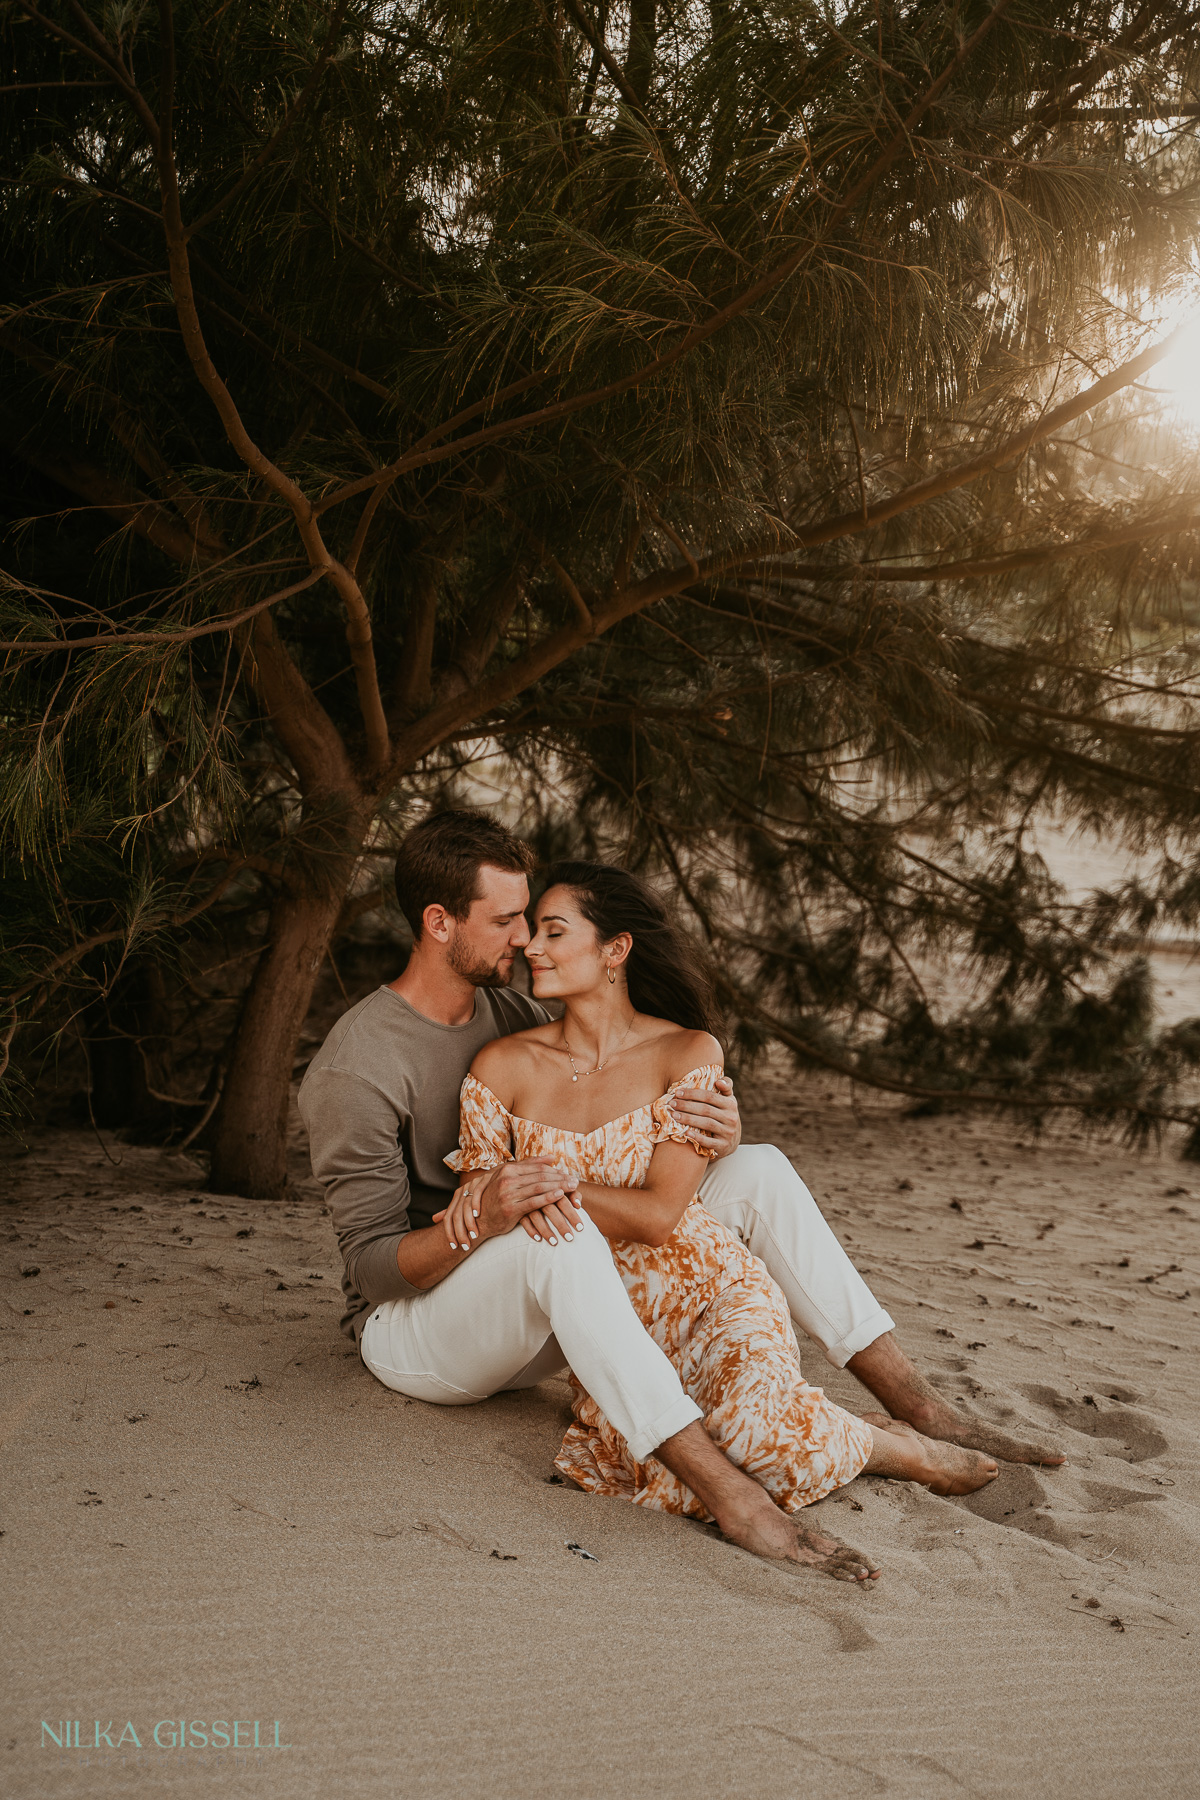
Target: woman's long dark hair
665 975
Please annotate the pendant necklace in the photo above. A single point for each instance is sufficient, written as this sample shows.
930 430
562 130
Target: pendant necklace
576 1072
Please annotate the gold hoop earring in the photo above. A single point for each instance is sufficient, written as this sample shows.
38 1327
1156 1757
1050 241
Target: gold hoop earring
612 976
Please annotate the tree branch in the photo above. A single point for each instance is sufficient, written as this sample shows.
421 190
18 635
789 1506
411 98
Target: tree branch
299 720
301 723
888 1085
127 426
1085 721
333 363
414 686
1129 114
1035 556
102 54
147 517
478 636
849 523
422 454
120 639
358 626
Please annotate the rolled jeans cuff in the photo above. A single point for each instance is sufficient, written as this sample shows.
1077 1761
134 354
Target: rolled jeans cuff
680 1413
864 1333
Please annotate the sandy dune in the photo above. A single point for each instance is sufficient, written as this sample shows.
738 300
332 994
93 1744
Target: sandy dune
212 1512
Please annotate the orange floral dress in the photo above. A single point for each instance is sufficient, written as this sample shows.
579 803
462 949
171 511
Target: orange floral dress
706 1301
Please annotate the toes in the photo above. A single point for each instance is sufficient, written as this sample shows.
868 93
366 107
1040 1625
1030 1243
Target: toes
854 1564
866 1572
838 1560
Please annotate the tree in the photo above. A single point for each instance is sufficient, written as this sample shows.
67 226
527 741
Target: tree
698 402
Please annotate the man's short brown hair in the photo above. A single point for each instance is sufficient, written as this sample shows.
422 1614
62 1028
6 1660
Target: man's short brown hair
440 860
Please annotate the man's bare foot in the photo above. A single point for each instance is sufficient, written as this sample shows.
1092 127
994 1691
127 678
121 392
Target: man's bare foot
770 1533
952 1427
942 1468
886 1370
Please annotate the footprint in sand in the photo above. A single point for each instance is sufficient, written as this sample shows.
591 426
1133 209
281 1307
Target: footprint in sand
1095 1417
774 1584
1108 1498
1015 1499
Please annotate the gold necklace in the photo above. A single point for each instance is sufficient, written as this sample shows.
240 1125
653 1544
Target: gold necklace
576 1072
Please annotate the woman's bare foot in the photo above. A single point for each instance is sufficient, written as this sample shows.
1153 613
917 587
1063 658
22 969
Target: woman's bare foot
905 1455
831 1556
769 1532
746 1514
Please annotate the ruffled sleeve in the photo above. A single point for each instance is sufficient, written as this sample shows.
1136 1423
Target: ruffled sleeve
666 1127
484 1129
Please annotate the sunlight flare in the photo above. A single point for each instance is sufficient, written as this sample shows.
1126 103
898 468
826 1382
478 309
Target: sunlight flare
1179 375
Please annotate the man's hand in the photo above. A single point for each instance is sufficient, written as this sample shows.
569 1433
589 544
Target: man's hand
536 1194
711 1116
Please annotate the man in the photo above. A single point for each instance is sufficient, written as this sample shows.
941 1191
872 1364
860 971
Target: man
435 1321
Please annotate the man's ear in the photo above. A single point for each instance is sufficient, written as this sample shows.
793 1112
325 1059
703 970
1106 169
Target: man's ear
435 923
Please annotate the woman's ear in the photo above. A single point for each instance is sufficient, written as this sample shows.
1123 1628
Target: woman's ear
617 952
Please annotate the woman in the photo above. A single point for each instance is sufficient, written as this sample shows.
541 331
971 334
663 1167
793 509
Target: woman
593 1091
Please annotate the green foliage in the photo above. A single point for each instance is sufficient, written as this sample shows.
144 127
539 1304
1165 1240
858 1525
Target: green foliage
573 339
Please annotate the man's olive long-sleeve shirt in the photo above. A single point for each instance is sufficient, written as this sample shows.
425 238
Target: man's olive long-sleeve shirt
380 1103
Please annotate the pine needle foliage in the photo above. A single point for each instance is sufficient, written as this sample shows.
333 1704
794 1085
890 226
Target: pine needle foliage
735 417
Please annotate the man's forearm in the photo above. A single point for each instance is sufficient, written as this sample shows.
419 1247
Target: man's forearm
426 1257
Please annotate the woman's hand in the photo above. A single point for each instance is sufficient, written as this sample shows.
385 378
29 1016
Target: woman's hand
535 1194
561 1220
459 1218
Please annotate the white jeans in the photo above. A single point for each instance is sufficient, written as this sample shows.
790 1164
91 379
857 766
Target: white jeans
517 1310
512 1314
759 1196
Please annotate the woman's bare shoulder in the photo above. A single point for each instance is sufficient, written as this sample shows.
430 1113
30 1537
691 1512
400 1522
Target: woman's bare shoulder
503 1060
683 1050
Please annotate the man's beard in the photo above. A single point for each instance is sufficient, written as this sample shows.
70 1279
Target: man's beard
498 975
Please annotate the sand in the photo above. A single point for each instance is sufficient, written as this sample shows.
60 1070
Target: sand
211 1510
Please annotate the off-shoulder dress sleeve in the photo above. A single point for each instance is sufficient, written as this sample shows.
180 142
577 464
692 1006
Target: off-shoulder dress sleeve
666 1127
484 1129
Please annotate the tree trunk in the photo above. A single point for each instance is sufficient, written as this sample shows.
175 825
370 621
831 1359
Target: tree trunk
643 33
248 1137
